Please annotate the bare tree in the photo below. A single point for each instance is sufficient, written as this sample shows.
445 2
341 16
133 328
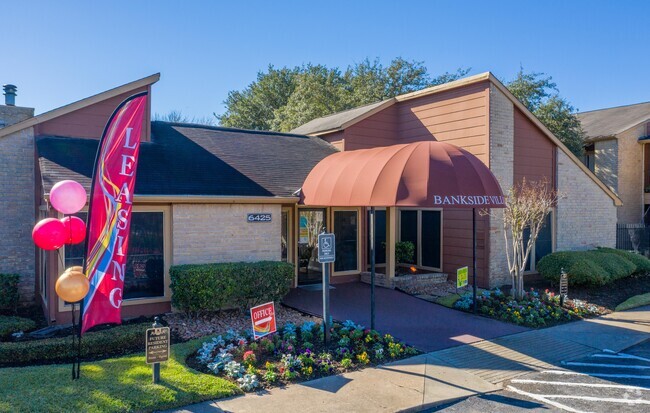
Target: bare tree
527 206
176 116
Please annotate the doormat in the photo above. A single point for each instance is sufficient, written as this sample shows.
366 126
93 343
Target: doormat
314 287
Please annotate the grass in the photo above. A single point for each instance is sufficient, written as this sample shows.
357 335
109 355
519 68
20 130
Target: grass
633 302
114 385
448 300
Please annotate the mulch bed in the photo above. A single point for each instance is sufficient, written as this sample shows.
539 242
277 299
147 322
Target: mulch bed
608 296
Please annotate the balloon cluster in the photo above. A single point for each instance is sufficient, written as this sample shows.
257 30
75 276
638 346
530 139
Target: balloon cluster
67 197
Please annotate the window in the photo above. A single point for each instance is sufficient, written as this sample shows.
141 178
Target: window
145 266
346 231
543 245
424 229
312 221
590 157
284 235
380 236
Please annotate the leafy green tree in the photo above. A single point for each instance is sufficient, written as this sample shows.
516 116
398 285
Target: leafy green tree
177 116
540 95
282 99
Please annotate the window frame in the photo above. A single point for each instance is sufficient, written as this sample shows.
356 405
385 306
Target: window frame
418 264
290 235
167 257
359 239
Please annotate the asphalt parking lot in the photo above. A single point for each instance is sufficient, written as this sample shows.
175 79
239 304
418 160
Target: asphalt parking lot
603 382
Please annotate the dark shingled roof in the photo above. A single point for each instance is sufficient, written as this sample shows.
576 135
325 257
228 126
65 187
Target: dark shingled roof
612 121
186 159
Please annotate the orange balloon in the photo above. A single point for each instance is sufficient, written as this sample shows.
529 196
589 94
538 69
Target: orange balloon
72 285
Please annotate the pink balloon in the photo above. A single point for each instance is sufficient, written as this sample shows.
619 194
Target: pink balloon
49 234
68 197
75 230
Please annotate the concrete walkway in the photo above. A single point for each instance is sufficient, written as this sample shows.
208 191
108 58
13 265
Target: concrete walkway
438 377
424 325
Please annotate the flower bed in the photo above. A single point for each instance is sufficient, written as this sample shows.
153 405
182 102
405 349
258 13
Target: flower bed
296 353
536 309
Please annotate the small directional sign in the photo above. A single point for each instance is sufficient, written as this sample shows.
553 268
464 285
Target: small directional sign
157 345
326 248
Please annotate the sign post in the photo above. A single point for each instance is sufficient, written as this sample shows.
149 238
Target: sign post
326 256
157 347
263 319
564 286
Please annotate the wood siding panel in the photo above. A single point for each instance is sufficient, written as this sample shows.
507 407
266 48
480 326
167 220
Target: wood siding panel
534 153
457 244
379 129
335 139
90 121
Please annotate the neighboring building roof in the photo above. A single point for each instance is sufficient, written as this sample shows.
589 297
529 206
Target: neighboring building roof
612 121
196 160
487 76
137 84
341 120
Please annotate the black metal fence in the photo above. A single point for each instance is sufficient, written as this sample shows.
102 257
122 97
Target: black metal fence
633 237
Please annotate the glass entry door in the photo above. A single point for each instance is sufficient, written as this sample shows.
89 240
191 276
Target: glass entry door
312 221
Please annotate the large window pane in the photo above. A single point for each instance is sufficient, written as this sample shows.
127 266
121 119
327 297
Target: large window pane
380 237
284 236
544 242
409 231
346 230
312 221
145 266
430 239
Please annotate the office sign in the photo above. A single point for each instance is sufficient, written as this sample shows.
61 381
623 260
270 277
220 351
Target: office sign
263 319
326 248
461 277
157 345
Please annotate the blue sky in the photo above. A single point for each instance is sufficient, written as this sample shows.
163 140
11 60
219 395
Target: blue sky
598 52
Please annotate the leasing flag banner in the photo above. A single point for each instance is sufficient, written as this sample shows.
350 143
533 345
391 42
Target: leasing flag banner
109 212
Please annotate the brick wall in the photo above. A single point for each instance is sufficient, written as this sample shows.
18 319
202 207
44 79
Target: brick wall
501 164
17 206
207 233
630 175
586 215
606 163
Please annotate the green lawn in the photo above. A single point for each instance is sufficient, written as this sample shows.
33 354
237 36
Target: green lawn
633 302
113 385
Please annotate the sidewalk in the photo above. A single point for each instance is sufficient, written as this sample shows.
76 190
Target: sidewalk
445 375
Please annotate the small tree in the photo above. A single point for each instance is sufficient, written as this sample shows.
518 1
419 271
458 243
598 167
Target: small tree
527 206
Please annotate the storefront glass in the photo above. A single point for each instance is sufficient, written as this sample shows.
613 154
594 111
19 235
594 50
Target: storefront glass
312 221
145 267
346 230
380 236
284 240
409 231
430 237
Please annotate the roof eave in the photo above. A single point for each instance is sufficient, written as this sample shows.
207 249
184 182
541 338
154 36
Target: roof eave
80 104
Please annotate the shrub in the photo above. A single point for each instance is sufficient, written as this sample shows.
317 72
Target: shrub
404 252
9 292
591 268
110 342
9 325
211 287
642 263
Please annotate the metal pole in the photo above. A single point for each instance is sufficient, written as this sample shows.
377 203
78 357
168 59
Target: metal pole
474 256
326 302
156 366
372 268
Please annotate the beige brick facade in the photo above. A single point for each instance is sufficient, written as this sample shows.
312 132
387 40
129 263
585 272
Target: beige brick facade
502 132
606 162
208 233
585 215
17 202
630 175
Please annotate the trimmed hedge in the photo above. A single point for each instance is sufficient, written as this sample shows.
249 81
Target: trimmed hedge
10 324
592 268
100 344
9 292
200 288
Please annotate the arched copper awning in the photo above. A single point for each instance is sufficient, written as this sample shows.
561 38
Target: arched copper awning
420 174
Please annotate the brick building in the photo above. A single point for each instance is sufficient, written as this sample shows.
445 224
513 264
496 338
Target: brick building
196 186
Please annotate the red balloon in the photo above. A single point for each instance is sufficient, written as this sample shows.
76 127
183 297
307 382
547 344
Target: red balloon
75 230
49 234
